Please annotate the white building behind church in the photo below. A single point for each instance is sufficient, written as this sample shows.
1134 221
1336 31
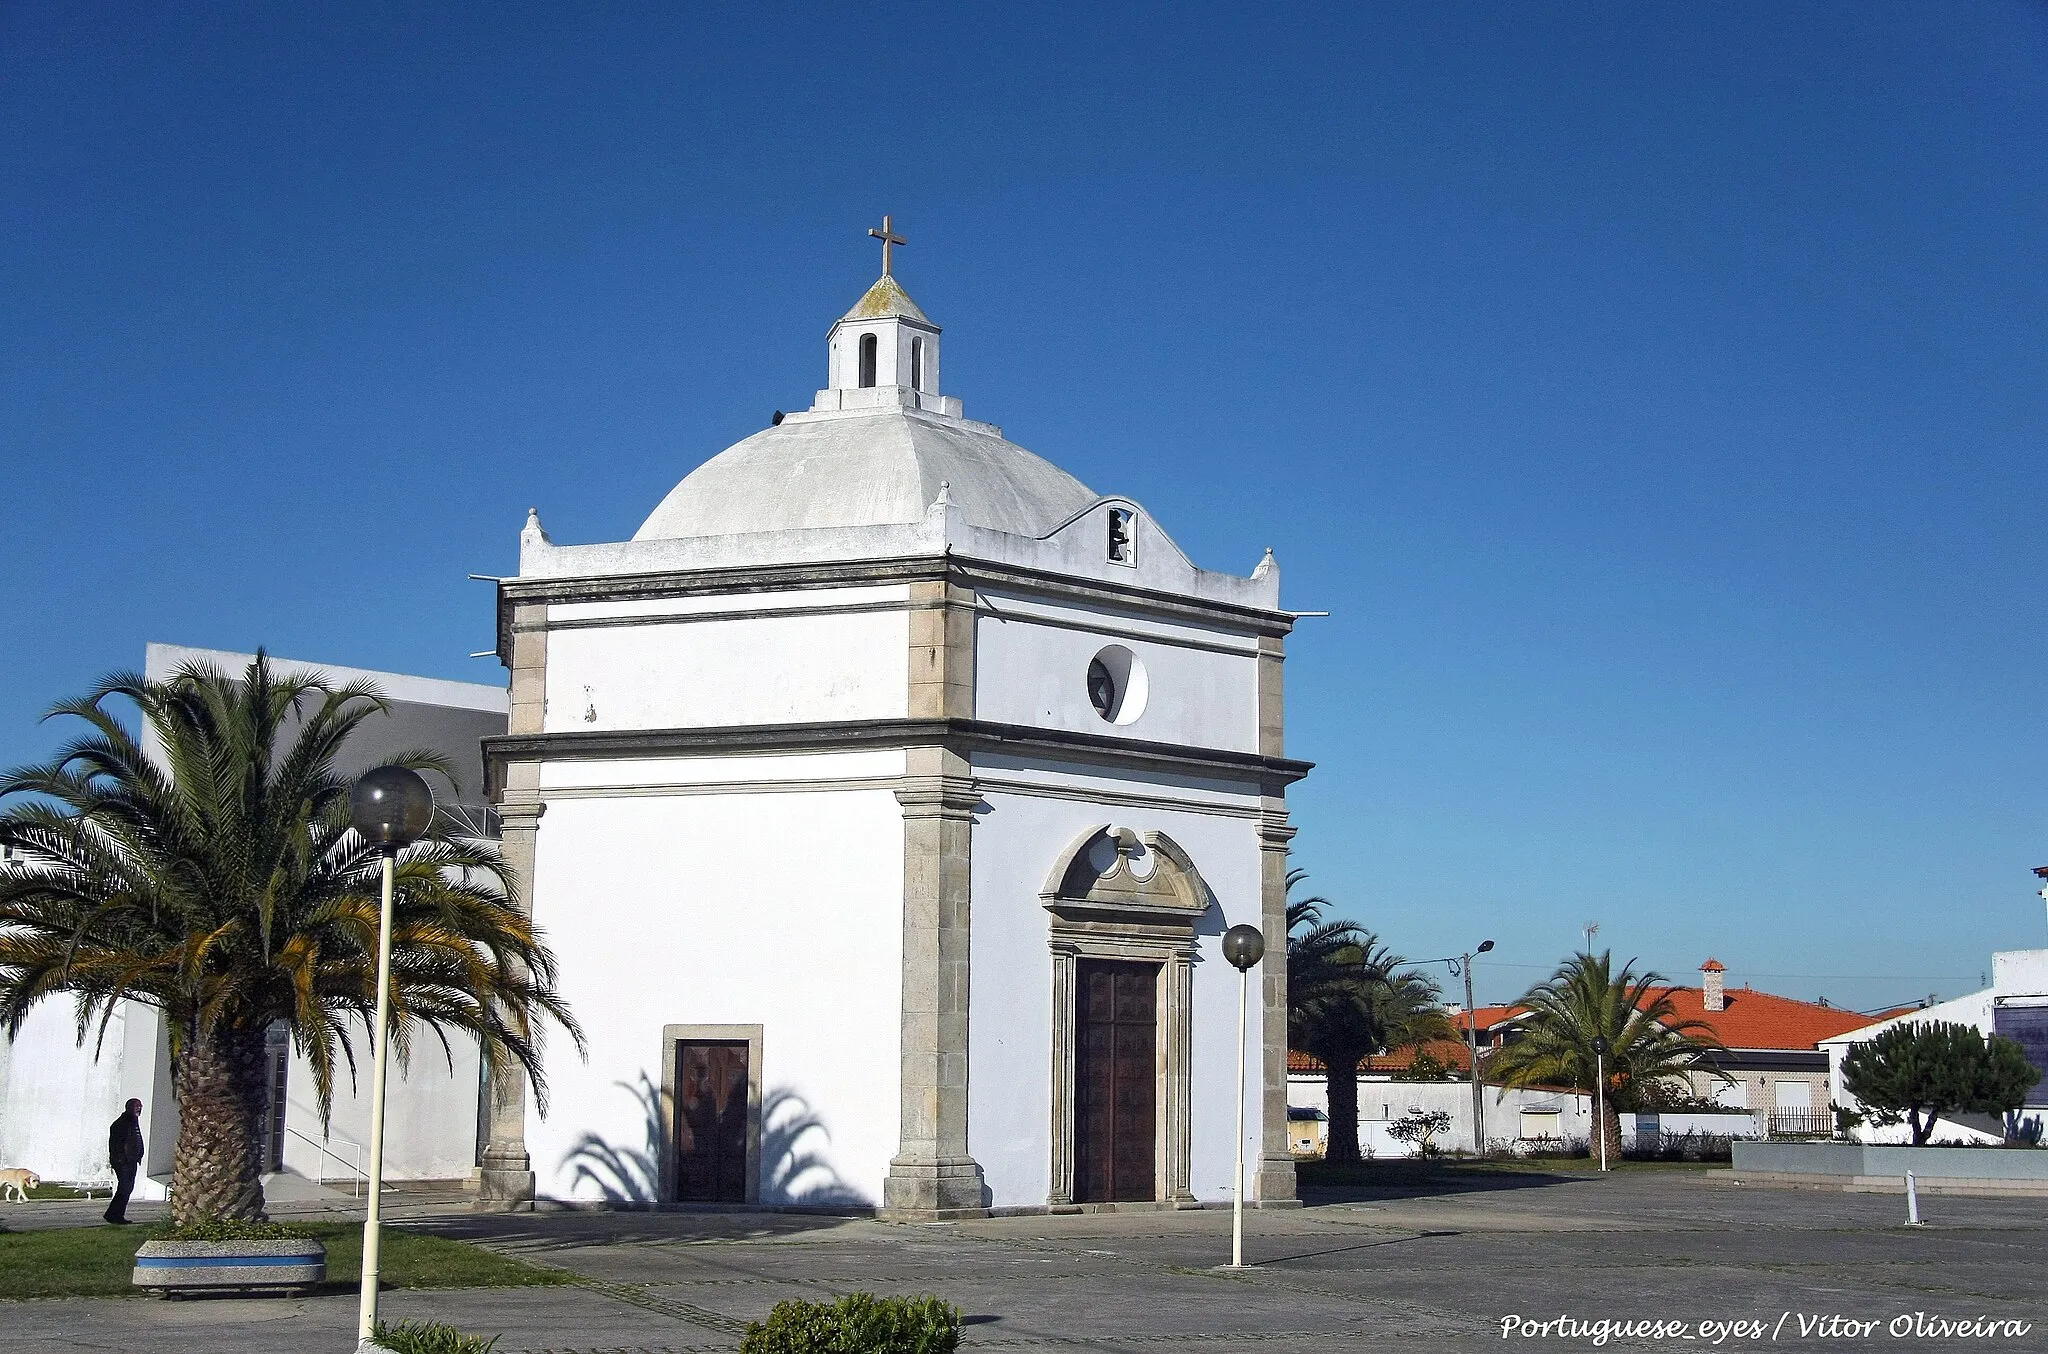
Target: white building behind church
58 1096
884 799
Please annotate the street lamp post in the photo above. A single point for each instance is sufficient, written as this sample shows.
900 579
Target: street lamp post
1461 965
1243 946
1600 1047
391 807
1472 1047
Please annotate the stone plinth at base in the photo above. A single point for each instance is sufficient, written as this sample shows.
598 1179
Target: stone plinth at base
504 1191
934 1191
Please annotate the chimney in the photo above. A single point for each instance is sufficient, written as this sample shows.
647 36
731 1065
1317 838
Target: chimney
1710 985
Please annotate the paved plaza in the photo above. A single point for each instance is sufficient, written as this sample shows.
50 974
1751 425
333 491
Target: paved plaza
1437 1265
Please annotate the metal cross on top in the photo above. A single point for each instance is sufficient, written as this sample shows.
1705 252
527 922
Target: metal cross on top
887 236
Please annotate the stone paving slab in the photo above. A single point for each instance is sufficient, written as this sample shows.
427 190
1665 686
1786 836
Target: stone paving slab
1364 1270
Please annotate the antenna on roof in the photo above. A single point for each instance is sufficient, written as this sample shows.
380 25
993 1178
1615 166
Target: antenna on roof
1591 928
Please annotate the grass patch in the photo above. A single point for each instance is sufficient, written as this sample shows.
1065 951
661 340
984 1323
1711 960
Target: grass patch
96 1261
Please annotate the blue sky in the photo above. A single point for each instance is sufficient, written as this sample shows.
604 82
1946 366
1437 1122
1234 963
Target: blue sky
1654 394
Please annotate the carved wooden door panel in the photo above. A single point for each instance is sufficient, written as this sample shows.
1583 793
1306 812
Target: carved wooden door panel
711 1122
1115 1081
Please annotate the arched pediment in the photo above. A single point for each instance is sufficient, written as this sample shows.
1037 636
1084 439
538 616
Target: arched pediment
1112 871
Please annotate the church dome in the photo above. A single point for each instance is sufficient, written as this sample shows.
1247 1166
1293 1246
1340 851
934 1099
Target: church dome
870 467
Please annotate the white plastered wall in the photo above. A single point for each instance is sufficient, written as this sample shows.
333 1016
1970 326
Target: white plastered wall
673 898
1031 667
430 1115
1010 1015
666 665
56 1100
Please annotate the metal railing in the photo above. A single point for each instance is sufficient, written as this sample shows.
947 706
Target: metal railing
1801 1124
358 1174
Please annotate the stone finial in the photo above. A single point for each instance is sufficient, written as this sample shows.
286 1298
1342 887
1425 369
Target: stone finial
944 500
1266 565
533 530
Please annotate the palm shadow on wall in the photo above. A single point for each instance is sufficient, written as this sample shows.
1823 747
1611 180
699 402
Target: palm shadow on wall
792 1171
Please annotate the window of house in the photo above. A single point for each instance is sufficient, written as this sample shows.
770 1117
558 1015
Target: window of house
917 364
868 347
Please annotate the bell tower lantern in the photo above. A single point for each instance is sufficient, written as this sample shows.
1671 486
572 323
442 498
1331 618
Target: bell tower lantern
884 353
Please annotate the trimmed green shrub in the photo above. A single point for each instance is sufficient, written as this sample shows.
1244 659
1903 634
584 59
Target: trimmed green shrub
1916 1073
231 1229
859 1323
431 1337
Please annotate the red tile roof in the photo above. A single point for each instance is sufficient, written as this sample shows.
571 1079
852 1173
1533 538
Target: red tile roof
1450 1052
1752 1019
1713 966
1489 1016
1748 1020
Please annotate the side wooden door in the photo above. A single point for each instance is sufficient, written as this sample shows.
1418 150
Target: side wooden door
711 1121
1116 1085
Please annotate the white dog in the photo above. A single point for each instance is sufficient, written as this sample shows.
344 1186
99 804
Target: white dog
18 1182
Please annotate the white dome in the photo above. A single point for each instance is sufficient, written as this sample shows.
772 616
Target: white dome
871 468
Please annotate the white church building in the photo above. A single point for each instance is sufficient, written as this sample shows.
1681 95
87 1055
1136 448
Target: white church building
885 799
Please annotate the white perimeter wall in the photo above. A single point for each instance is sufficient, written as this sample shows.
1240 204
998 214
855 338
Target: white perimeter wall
1381 1104
58 1099
430 1115
1010 1004
673 896
671 668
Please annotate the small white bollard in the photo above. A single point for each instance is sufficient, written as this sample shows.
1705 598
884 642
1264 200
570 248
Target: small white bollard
1912 1201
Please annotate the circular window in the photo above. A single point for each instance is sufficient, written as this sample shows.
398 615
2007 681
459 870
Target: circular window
1116 685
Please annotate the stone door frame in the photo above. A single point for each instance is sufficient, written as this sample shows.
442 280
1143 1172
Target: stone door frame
1109 913
671 1035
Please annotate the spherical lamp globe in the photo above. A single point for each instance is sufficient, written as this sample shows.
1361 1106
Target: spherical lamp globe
391 807
1243 946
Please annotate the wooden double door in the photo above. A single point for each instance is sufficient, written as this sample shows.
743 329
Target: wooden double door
711 1121
1116 1081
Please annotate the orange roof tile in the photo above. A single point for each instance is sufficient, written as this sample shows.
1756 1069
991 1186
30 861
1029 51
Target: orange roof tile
1488 1016
1752 1019
1449 1052
1713 966
1748 1019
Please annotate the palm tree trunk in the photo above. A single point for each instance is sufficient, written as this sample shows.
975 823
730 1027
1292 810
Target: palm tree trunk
1341 1078
218 1171
1610 1128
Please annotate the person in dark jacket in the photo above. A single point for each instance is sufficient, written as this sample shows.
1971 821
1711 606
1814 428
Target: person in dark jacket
124 1151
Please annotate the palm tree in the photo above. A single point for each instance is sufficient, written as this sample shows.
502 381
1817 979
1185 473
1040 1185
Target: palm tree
220 882
1648 1044
1316 956
1350 1005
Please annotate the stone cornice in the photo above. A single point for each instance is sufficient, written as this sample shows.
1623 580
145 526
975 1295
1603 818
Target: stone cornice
895 569
963 736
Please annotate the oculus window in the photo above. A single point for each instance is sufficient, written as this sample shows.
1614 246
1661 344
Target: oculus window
1117 685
